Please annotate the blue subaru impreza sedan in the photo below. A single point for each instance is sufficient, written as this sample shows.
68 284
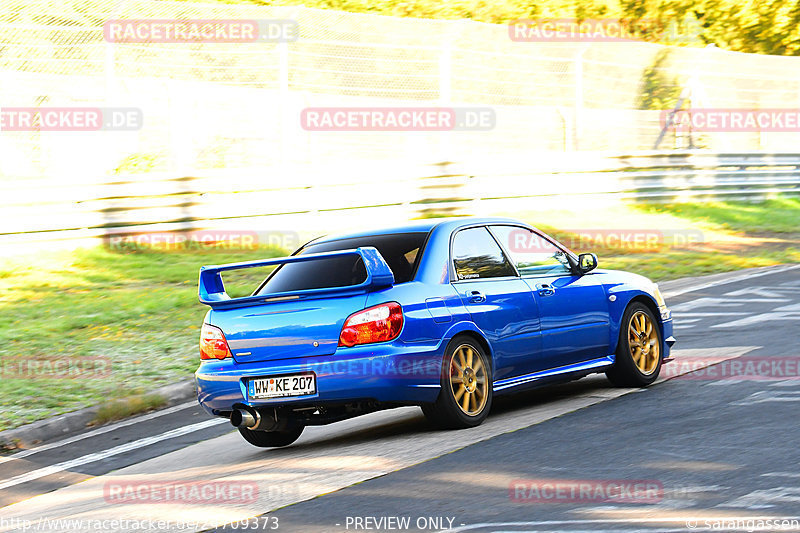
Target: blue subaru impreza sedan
443 314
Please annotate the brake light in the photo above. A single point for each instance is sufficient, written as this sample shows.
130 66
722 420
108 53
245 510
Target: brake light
380 323
213 344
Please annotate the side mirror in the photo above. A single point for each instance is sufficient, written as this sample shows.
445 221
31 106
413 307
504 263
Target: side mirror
587 263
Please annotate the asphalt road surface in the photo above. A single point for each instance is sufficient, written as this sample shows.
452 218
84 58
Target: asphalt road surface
713 446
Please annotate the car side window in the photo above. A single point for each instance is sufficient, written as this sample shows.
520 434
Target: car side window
477 255
532 254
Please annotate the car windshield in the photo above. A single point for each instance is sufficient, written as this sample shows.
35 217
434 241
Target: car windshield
400 250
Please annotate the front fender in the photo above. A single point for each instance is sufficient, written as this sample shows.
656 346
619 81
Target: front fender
624 288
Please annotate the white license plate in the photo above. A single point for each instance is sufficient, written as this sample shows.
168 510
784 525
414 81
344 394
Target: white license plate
281 386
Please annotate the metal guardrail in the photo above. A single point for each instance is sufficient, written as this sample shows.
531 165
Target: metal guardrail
40 210
659 177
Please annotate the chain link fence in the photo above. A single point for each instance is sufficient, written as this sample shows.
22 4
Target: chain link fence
237 105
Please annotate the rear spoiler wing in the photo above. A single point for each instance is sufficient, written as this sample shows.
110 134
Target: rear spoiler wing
212 290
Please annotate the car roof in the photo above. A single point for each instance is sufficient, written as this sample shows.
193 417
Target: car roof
425 226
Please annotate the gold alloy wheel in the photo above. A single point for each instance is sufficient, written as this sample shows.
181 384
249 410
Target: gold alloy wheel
643 342
468 380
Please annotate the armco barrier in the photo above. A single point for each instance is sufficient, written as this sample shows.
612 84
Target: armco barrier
249 197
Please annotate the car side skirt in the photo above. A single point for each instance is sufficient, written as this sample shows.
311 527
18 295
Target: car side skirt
594 365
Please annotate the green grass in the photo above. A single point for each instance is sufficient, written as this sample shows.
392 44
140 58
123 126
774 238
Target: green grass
123 408
679 264
735 235
139 309
780 215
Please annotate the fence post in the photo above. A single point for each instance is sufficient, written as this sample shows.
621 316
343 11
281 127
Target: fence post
109 70
286 108
181 131
446 69
578 114
444 138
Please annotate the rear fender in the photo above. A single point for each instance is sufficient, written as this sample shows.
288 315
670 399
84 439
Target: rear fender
470 329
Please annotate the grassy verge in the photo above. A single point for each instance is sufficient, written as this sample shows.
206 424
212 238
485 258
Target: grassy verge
123 408
780 216
693 239
138 311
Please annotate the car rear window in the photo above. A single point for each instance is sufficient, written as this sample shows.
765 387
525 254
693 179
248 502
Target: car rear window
401 251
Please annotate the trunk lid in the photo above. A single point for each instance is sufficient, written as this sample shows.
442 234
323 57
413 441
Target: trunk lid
286 329
294 322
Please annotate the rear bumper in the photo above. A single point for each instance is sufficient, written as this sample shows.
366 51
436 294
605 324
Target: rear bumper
400 374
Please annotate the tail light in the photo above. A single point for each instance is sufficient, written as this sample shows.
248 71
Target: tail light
380 323
213 344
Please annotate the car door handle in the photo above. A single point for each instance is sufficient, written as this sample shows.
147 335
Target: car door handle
545 289
475 297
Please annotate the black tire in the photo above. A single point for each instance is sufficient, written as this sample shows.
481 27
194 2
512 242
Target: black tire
630 370
271 439
474 389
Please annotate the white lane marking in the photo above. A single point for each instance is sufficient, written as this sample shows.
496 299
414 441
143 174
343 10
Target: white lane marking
691 305
762 499
780 474
691 360
92 457
728 302
731 279
679 315
791 382
98 431
722 302
763 317
764 292
770 396
729 381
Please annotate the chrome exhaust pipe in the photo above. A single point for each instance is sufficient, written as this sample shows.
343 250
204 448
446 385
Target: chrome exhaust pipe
245 418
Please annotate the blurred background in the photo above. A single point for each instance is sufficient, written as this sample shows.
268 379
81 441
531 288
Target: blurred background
578 147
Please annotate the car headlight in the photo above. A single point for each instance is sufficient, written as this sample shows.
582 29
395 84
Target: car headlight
659 298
